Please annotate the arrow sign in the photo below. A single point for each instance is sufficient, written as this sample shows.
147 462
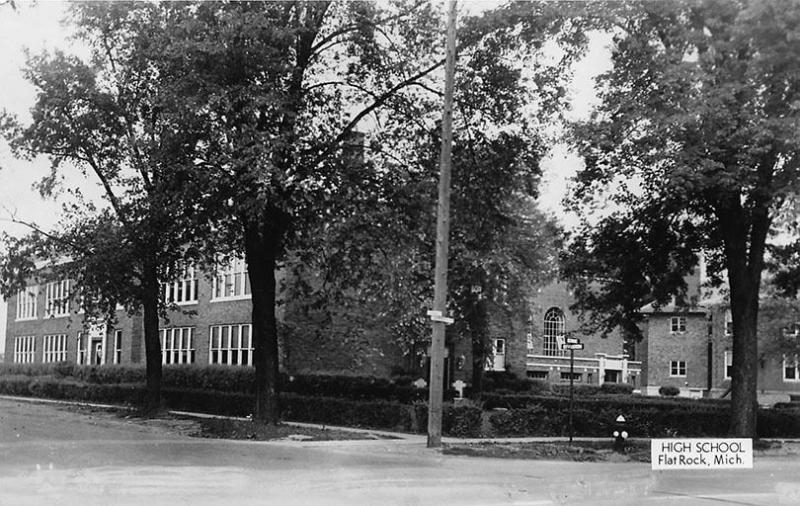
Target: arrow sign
572 340
578 346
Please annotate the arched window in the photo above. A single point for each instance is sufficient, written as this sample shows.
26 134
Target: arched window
554 325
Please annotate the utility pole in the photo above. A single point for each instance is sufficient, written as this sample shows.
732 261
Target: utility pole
438 313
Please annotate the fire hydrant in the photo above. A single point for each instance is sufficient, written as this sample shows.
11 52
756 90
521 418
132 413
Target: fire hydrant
620 434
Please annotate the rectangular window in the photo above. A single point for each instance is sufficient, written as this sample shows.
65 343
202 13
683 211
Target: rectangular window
182 290
677 368
230 344
231 281
677 324
117 356
728 364
26 302
576 376
54 348
537 375
24 349
56 298
177 345
83 348
728 323
791 369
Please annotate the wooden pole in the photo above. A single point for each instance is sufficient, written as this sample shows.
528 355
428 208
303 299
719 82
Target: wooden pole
438 318
571 395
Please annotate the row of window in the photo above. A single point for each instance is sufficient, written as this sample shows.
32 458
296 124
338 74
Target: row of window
228 345
56 300
231 282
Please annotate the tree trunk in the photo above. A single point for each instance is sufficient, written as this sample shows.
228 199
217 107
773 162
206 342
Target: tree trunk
744 397
262 241
152 343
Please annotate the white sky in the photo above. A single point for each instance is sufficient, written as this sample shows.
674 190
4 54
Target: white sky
36 26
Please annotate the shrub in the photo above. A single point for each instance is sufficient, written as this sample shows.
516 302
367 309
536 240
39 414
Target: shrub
669 391
616 388
346 412
457 421
504 380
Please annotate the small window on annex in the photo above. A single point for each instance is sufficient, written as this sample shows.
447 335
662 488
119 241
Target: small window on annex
677 368
791 369
728 364
677 325
554 326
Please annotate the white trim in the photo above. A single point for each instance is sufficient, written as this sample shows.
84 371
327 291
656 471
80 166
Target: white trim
678 363
54 348
680 321
796 378
24 349
727 359
177 345
184 290
56 299
232 340
116 348
224 283
27 303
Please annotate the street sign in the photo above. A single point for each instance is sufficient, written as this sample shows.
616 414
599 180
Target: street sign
572 346
572 340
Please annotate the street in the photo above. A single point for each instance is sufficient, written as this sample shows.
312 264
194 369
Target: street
49 455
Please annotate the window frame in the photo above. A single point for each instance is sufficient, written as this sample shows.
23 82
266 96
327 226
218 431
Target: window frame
54 348
236 268
183 352
25 349
184 290
677 325
554 325
116 356
728 364
56 299
795 369
27 303
676 367
223 355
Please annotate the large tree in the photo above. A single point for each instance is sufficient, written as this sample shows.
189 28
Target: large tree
103 117
694 147
280 88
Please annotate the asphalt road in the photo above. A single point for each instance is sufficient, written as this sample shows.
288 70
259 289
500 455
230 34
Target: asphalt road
52 456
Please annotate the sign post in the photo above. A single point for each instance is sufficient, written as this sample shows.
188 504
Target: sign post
571 394
571 344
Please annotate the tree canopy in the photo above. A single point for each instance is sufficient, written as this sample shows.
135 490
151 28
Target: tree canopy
693 149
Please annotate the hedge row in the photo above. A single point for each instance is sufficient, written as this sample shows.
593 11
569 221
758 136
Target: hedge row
641 421
592 417
325 410
494 400
229 379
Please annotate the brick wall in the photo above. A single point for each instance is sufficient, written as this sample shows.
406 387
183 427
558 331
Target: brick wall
665 346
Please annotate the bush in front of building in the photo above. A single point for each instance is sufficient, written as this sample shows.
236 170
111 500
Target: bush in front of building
669 391
457 420
508 381
346 412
